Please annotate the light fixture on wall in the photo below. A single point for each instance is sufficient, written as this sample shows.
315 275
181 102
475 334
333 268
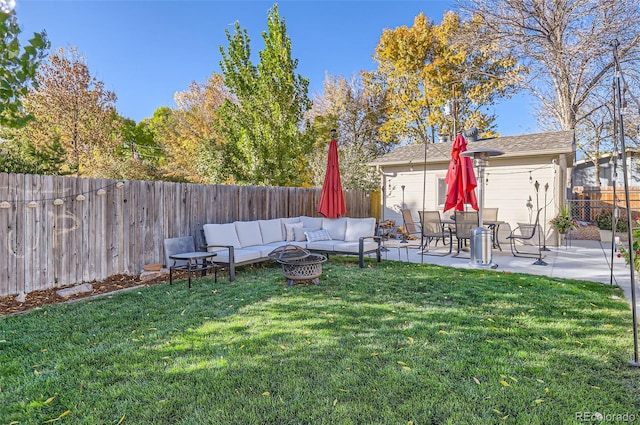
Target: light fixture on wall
410 165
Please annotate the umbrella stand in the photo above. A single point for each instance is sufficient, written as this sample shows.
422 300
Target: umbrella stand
479 234
539 261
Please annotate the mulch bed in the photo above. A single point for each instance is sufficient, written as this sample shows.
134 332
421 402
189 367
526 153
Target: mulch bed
8 304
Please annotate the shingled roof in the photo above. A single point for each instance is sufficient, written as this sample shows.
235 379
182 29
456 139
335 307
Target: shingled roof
554 143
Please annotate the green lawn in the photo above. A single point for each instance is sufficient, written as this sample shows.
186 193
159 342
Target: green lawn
393 343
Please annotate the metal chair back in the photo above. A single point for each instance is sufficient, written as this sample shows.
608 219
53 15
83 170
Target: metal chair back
410 226
431 224
490 214
433 229
464 222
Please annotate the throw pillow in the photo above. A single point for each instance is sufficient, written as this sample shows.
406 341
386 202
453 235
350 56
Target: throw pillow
300 234
290 227
318 235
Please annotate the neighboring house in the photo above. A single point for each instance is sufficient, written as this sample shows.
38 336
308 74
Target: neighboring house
584 171
509 178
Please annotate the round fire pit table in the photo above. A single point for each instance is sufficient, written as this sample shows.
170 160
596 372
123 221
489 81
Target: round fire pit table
298 264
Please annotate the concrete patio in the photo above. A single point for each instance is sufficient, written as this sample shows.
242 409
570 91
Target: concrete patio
581 259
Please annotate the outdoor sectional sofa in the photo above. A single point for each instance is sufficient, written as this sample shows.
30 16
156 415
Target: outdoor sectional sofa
246 242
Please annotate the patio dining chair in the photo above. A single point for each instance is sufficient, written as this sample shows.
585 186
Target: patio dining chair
526 234
411 227
489 214
434 230
490 219
464 222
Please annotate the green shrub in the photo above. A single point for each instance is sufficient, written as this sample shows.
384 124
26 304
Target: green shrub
604 221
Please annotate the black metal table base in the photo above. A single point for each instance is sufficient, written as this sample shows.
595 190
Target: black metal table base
196 262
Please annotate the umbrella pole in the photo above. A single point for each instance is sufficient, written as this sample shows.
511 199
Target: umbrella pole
404 222
635 362
424 189
544 226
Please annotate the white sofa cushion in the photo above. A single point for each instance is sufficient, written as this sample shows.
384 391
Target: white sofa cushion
311 223
326 245
359 227
221 234
248 233
271 230
342 246
291 230
239 255
336 227
353 247
267 248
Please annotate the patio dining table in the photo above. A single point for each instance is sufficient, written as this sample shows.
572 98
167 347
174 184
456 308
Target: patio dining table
491 224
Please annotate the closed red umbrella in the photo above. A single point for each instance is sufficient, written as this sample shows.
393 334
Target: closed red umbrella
460 178
332 197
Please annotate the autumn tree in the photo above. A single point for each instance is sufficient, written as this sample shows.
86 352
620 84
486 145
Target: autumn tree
356 114
18 68
71 106
188 133
262 123
567 45
422 67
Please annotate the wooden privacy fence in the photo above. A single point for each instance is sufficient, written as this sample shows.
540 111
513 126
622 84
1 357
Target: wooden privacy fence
588 202
57 231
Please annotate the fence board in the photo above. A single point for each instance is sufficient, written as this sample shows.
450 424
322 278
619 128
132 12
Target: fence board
588 202
6 256
46 230
121 231
21 215
32 231
127 190
104 233
56 240
12 232
138 200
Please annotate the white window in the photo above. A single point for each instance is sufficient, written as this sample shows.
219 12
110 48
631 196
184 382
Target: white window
442 191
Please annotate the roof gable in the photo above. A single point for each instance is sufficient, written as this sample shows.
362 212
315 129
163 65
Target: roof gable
552 143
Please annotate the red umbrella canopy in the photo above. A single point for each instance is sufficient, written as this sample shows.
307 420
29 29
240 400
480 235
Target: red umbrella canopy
460 178
332 197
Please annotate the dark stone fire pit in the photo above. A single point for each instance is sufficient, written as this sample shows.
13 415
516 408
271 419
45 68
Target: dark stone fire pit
298 264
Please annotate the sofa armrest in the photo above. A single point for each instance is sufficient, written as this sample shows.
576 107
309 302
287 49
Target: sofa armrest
378 239
232 267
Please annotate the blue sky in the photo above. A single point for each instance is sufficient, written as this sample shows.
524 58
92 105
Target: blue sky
146 50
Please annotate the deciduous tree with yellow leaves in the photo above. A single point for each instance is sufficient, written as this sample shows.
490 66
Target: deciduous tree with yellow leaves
423 67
